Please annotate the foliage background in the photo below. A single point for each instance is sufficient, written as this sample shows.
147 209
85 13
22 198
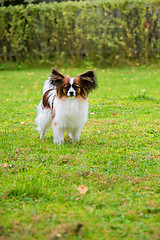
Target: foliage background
100 32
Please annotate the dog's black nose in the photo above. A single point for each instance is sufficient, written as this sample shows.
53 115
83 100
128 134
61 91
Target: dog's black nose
71 94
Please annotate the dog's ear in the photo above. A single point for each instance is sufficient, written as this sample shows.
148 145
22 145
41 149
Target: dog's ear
88 80
56 77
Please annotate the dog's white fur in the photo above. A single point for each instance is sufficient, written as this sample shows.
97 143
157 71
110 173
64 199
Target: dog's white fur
70 114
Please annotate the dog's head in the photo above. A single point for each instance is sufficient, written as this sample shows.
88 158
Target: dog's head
73 87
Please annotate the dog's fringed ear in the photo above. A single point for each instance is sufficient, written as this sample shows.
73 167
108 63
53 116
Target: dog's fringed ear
88 80
56 77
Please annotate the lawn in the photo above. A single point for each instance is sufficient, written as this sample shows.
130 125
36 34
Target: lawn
104 187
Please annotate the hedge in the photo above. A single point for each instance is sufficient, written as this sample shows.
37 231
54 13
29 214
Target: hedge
100 31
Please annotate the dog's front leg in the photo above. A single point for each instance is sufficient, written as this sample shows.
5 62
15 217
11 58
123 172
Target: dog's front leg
76 135
58 135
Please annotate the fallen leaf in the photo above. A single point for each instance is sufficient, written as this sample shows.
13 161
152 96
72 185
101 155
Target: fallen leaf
114 114
32 73
29 114
17 150
82 189
90 173
4 165
64 161
78 198
58 235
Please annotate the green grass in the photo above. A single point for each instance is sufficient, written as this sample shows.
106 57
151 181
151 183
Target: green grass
117 159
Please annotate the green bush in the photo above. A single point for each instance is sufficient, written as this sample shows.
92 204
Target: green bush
103 32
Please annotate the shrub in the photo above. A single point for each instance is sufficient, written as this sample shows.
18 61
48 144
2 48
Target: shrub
102 31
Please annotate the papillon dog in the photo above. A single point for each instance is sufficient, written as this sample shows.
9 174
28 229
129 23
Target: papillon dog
64 104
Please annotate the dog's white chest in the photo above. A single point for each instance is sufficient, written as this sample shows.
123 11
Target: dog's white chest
70 113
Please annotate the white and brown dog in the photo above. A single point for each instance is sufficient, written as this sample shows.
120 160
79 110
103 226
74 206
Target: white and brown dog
64 105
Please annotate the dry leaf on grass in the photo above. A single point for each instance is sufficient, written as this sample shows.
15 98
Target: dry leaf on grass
4 165
17 150
82 189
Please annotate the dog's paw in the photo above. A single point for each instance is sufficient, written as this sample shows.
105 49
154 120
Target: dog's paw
58 141
74 140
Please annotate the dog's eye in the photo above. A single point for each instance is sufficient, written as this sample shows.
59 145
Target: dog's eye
77 86
65 86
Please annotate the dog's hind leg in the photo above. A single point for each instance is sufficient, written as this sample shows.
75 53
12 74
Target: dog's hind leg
58 135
